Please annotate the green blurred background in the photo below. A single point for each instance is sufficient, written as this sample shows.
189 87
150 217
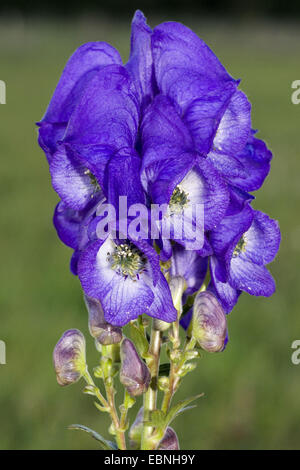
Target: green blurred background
252 390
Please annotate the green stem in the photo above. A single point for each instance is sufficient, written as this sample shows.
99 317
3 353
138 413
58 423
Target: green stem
174 378
106 362
151 394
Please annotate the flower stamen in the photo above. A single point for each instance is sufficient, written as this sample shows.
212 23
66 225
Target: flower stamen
127 260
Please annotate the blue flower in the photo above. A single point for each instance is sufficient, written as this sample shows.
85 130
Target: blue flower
169 128
125 277
243 244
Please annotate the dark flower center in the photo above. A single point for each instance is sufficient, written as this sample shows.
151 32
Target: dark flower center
240 247
179 200
127 260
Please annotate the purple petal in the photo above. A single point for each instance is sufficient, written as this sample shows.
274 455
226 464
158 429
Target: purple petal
70 179
262 240
185 67
81 67
251 278
66 222
190 266
122 299
235 126
255 159
225 238
140 64
162 306
107 112
227 295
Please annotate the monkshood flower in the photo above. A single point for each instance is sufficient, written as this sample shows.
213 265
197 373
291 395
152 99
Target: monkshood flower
177 177
243 244
102 331
125 277
134 373
69 357
208 324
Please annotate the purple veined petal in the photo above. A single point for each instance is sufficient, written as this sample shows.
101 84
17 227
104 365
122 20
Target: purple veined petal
74 262
123 176
69 223
251 278
238 200
163 128
228 165
66 222
235 126
86 61
140 64
107 112
190 266
204 185
255 158
203 115
225 238
230 230
95 157
71 179
227 295
162 177
162 306
49 136
262 240
206 250
185 67
122 299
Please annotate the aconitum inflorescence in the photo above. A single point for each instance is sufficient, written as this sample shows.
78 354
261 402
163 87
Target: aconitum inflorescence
154 162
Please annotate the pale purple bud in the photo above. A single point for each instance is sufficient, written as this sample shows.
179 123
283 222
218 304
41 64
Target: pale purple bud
169 441
102 331
136 429
209 325
69 357
134 373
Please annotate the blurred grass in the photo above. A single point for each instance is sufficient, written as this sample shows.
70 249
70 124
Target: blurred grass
252 397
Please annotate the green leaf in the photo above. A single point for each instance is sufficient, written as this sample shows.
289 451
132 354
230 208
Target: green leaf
139 340
164 369
106 445
156 419
180 407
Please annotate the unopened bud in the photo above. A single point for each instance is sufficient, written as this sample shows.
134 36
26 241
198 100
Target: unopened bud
177 286
69 357
102 331
136 429
169 441
134 373
209 325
